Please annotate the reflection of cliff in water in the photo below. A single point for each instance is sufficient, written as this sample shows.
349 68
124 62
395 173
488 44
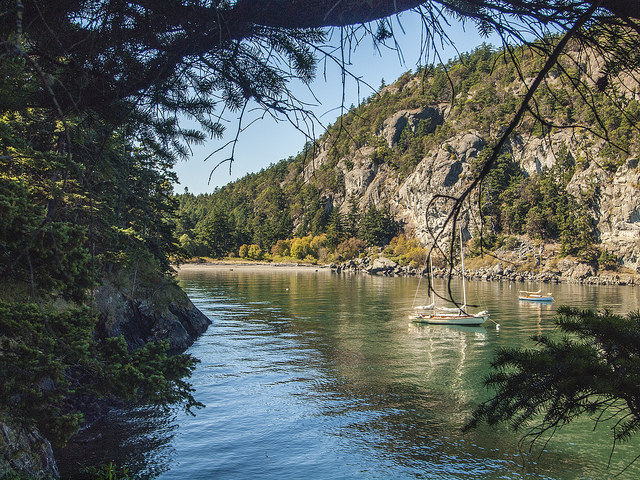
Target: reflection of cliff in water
140 438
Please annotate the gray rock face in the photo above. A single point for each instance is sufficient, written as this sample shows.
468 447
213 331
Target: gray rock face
453 175
364 171
618 213
141 321
393 126
25 452
579 271
445 171
467 146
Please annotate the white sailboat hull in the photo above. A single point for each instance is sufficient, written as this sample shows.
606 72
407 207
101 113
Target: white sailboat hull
451 318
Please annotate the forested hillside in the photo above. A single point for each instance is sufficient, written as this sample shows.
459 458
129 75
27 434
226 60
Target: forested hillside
374 172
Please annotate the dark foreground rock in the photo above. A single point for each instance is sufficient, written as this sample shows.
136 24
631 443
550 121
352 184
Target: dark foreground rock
168 315
24 450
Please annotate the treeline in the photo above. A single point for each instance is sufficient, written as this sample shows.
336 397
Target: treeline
236 221
257 218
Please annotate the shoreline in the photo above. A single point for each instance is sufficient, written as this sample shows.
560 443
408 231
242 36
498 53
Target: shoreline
575 273
382 266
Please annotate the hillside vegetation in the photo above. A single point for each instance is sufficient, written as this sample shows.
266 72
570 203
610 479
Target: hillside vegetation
372 174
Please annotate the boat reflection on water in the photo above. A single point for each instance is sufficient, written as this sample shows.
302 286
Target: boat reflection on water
429 330
452 359
536 309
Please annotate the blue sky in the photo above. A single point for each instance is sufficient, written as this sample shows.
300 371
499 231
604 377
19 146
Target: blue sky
267 141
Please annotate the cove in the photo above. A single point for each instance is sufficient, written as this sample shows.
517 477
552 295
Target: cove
310 374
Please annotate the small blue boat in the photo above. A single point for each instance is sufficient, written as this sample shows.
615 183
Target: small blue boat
535 296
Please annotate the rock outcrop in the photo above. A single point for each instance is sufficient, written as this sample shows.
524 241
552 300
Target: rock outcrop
169 315
25 451
380 265
443 172
618 208
393 126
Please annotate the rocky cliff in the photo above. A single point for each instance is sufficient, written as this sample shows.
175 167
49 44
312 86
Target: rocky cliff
567 176
451 145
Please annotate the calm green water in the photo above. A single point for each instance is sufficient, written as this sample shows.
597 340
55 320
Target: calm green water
308 374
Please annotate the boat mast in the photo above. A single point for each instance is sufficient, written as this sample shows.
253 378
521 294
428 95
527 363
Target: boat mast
433 288
541 248
464 289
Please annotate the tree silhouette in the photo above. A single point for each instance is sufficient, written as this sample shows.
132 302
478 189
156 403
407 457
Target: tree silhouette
589 367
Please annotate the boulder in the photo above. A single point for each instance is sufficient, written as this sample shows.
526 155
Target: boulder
382 265
579 271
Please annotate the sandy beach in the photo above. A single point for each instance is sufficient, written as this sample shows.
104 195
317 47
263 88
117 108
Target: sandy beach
246 266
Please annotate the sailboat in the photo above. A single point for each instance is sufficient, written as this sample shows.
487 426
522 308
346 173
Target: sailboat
449 315
536 296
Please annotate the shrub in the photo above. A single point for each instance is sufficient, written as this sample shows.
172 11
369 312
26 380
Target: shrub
301 247
607 261
254 252
317 243
415 257
282 248
350 248
407 250
324 255
511 242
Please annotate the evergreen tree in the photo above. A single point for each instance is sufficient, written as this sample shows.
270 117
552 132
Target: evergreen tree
378 227
81 202
335 230
590 367
216 234
353 217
